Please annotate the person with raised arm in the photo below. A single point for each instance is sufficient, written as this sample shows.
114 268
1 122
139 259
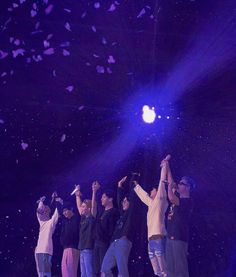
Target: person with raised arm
157 205
178 220
104 226
86 236
47 225
121 241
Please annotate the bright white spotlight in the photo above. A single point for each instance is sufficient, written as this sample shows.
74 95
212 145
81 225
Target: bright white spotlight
149 114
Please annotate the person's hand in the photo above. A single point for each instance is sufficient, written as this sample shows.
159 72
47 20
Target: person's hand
41 199
121 182
165 161
54 195
135 183
172 185
58 199
95 186
77 193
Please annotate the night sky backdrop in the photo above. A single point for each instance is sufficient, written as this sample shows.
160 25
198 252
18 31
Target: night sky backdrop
74 75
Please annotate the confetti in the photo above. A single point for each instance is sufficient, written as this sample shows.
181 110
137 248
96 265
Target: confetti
49 51
100 69
24 145
70 88
63 138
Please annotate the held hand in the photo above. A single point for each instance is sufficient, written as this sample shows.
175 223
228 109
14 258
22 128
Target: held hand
41 199
54 195
135 183
165 161
58 199
95 186
172 185
121 182
77 192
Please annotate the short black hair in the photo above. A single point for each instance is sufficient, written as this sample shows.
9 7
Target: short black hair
109 193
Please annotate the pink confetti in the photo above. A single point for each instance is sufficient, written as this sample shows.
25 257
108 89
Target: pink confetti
22 1
46 44
49 51
111 59
17 52
109 71
66 52
142 12
33 13
94 29
37 25
1 121
3 74
112 8
63 137
49 9
15 5
83 15
37 58
104 41
3 54
49 36
67 10
97 5
54 73
24 145
67 26
70 88
100 69
81 108
17 42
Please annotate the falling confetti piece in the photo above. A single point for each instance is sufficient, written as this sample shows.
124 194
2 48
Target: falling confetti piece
109 71
100 69
97 5
66 52
63 137
1 121
94 29
3 74
142 12
33 13
112 8
46 44
49 51
17 52
67 26
24 145
111 59
70 88
3 54
67 10
49 9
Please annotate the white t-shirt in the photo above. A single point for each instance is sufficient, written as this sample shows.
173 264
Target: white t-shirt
46 230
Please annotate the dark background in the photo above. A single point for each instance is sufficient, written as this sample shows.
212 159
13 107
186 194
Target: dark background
72 115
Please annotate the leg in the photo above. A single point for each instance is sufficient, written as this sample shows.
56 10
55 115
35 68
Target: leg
109 261
75 258
180 256
64 271
122 250
153 259
88 261
82 264
170 261
160 255
44 264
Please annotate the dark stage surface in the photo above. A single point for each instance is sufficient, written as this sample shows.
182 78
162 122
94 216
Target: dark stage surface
74 75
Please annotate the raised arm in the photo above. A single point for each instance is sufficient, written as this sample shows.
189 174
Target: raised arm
120 192
78 198
40 207
95 187
171 187
161 193
142 194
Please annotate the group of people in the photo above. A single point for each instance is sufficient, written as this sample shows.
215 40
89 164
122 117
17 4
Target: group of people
101 240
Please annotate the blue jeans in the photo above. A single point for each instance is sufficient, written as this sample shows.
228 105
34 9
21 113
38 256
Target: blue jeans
156 248
176 258
86 263
43 264
117 254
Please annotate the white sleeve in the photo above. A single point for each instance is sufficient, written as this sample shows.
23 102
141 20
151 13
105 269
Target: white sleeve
143 195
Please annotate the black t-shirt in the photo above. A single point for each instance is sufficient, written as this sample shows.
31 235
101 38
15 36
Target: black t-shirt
125 224
86 237
70 232
105 225
178 220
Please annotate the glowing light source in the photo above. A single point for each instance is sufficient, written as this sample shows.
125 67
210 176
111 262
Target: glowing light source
149 114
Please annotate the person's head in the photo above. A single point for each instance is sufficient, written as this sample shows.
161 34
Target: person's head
86 207
153 191
185 185
68 212
125 203
44 212
107 198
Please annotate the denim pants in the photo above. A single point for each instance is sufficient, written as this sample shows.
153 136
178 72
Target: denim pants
43 264
86 263
100 249
117 254
176 258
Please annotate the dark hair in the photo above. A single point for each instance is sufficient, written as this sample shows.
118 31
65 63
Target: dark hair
68 206
109 193
189 181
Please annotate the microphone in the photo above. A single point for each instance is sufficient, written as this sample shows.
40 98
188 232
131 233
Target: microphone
74 191
135 173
